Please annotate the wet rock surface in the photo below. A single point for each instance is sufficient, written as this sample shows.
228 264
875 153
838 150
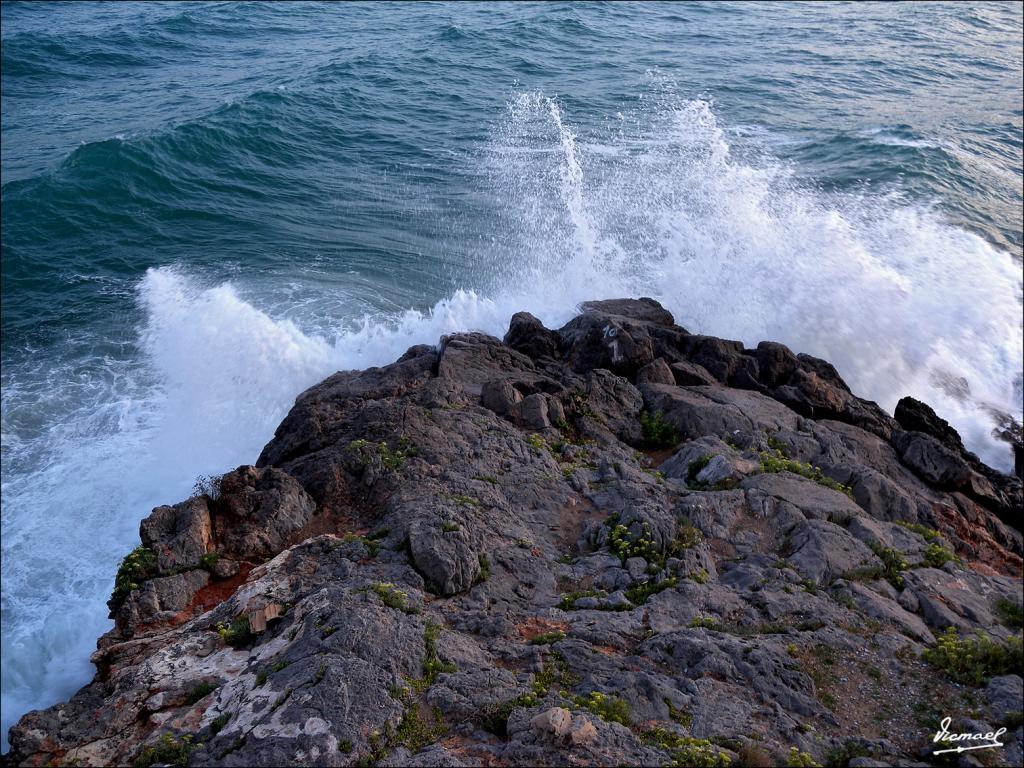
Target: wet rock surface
614 543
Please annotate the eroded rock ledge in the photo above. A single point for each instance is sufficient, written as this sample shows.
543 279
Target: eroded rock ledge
617 543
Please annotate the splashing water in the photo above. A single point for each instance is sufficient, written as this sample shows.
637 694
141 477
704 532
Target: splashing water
655 203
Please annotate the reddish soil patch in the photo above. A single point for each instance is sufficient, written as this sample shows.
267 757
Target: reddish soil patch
536 626
658 456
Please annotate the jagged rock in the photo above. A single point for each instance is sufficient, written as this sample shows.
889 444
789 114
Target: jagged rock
528 335
433 556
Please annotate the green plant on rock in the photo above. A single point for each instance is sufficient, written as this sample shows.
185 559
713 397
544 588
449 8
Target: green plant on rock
700 576
167 751
609 708
657 432
391 458
625 545
137 566
680 716
432 665
485 569
199 691
685 751
209 560
219 722
929 534
776 461
548 638
687 535
973 660
893 564
449 526
798 759
391 596
235 633
372 544
695 467
638 594
568 601
537 442
1010 612
706 622
416 732
936 556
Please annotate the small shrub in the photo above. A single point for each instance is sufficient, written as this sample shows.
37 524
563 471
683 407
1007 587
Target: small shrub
200 691
485 569
609 708
568 601
167 751
657 432
548 638
432 666
700 576
685 752
450 527
680 716
261 676
345 746
208 486
137 566
937 556
798 759
219 722
706 622
391 596
776 461
929 534
972 661
1010 612
893 564
753 756
638 595
209 560
236 633
695 467
415 732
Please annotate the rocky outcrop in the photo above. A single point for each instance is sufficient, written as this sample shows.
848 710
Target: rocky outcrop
614 543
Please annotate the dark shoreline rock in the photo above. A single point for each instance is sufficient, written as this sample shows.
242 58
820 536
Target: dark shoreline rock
612 543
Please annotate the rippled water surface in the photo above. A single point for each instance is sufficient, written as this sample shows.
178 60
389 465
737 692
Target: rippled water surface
207 208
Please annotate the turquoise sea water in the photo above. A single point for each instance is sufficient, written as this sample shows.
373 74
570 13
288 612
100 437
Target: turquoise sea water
207 208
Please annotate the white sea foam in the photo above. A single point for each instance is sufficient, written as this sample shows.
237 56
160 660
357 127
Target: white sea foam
655 203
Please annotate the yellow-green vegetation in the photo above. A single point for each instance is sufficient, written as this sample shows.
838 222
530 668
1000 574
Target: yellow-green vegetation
568 601
776 461
548 638
685 751
137 566
199 691
657 432
485 568
416 732
700 576
680 716
1010 612
537 442
625 545
973 660
929 534
392 458
235 633
936 556
638 595
209 560
706 622
432 666
609 708
448 526
391 596
167 751
687 535
798 759
370 541
555 672
893 564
